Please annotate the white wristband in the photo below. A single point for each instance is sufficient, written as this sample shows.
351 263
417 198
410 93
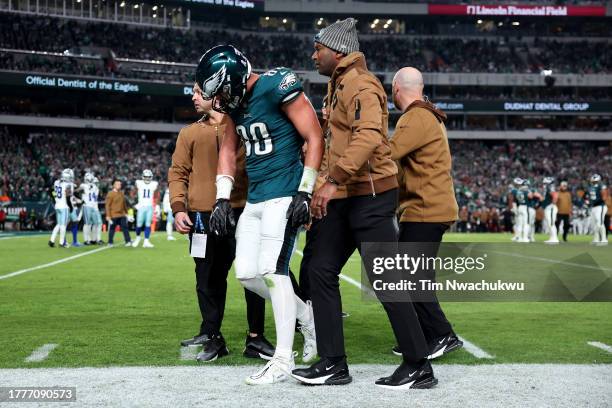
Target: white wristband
224 186
309 178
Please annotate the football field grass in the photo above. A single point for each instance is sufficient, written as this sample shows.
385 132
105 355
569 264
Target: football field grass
132 306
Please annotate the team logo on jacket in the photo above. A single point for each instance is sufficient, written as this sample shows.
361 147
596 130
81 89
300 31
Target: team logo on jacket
288 81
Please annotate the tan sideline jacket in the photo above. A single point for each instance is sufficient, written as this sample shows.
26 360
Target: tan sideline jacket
564 202
115 204
191 177
420 145
357 153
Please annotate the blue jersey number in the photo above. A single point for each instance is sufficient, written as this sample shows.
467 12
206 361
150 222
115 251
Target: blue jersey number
92 197
58 191
257 139
146 193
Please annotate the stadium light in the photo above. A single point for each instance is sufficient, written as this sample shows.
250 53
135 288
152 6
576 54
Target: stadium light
372 25
122 4
319 22
479 22
389 21
284 20
516 23
154 8
500 24
376 21
267 18
135 6
386 26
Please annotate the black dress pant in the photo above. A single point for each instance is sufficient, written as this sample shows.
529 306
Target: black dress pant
311 236
432 318
566 224
122 222
348 223
211 281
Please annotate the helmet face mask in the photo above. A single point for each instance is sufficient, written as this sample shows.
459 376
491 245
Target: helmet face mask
222 75
89 178
67 175
147 175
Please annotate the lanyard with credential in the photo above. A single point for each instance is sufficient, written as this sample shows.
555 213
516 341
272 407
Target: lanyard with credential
199 225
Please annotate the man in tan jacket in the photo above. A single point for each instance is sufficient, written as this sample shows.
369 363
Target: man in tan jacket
116 213
191 180
564 205
428 205
355 201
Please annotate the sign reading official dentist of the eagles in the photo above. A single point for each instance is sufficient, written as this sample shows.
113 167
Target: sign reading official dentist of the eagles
424 272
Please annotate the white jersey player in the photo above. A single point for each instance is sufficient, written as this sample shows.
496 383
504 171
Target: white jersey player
549 203
169 217
147 192
92 229
61 192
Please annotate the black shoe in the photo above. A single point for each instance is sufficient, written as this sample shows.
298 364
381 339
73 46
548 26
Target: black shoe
406 377
324 372
100 242
396 350
258 347
344 315
213 349
444 345
51 244
86 243
196 340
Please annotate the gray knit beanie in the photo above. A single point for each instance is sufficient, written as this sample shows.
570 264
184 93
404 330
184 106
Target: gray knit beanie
340 36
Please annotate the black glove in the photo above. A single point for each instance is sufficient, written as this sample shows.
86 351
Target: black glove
222 218
298 212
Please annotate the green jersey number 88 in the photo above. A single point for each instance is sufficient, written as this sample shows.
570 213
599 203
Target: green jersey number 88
257 139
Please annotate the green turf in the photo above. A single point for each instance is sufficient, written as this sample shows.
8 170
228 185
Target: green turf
126 306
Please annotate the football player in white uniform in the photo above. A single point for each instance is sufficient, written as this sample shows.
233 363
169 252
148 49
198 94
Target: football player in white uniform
147 192
61 191
169 217
91 213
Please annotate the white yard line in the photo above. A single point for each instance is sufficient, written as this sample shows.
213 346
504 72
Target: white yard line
189 353
553 261
601 346
41 353
467 345
59 261
474 349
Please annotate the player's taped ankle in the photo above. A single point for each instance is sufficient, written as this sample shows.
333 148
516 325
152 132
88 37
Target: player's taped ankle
309 178
224 184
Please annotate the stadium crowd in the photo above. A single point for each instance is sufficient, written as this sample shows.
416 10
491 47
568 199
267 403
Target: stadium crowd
483 171
30 163
384 53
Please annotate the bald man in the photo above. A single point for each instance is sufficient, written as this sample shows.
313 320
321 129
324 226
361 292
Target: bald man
427 200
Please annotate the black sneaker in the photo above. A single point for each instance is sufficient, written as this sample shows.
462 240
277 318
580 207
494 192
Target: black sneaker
324 372
406 377
51 244
196 340
100 242
444 345
258 347
213 349
438 347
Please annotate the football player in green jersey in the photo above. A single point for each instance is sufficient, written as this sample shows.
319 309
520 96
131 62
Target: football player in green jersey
596 196
273 118
549 203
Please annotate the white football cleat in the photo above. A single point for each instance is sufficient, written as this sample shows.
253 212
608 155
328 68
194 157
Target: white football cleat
310 338
276 370
171 238
147 244
552 241
136 242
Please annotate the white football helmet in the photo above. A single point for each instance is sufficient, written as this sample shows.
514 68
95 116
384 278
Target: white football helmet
147 175
595 179
67 175
95 180
89 177
518 181
548 180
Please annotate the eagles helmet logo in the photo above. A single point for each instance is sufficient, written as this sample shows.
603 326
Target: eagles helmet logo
288 81
213 83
